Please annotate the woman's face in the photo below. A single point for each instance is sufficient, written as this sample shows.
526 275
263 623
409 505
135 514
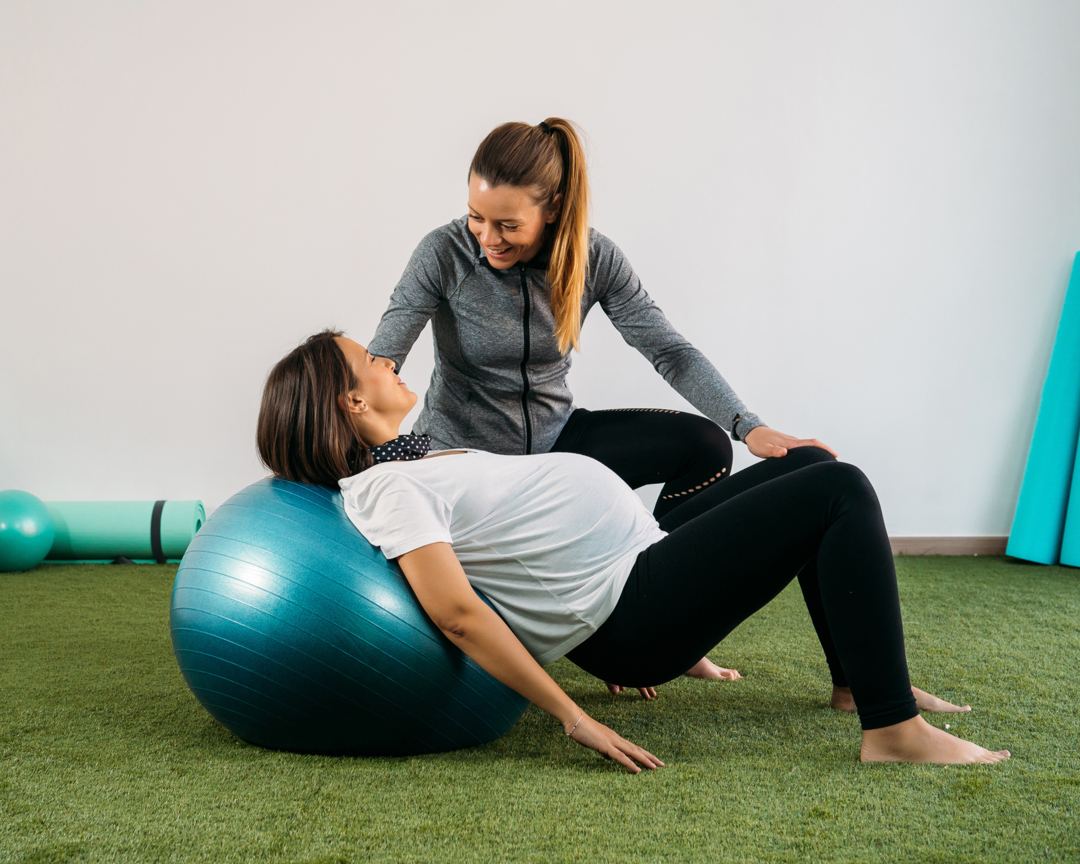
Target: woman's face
507 222
377 389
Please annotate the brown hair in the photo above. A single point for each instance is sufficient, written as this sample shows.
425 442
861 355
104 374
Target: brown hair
550 159
303 433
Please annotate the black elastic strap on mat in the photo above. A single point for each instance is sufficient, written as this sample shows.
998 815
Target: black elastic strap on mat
155 532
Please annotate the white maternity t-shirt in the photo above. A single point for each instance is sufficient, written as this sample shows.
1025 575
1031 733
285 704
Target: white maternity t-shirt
549 539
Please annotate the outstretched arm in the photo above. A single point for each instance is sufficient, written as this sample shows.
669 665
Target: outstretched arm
415 299
643 325
444 592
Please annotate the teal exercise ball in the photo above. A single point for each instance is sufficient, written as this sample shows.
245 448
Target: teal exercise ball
26 531
297 634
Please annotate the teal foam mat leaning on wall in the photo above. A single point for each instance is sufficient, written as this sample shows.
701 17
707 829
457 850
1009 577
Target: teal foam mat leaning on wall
1039 523
1070 540
139 530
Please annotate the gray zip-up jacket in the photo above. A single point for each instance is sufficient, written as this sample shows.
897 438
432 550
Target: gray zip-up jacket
499 382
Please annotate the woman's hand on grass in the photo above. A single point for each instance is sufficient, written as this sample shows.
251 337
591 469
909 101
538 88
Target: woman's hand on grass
766 443
646 692
596 736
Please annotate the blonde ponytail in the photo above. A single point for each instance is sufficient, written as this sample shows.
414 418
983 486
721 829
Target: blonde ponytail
569 263
548 159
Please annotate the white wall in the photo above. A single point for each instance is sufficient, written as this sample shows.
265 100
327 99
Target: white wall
864 213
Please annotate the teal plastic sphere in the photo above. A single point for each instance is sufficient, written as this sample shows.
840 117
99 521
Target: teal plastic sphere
297 634
26 531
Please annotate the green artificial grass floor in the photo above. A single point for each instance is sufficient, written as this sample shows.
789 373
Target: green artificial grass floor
106 756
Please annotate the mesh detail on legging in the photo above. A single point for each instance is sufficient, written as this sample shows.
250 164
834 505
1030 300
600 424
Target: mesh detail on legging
647 410
698 488
685 452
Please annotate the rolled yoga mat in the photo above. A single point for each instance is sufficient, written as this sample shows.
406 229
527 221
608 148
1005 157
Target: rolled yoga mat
139 530
1039 523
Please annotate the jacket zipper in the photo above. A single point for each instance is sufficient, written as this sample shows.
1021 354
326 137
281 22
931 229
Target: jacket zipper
525 364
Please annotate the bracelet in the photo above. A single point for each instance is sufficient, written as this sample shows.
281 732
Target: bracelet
572 728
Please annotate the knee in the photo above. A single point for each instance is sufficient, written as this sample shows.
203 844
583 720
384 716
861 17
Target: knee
706 439
851 480
810 455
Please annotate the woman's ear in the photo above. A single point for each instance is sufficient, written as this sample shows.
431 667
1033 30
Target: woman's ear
554 208
352 403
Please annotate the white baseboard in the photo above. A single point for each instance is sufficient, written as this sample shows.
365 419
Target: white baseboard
948 545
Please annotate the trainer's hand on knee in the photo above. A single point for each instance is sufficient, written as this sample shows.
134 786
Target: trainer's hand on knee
766 443
646 692
596 736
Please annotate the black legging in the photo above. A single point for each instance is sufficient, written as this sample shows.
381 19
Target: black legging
688 454
734 547
685 452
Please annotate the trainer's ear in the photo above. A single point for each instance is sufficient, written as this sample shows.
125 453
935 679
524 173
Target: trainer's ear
352 403
554 208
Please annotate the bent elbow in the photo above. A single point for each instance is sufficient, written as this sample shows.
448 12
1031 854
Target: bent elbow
454 629
454 624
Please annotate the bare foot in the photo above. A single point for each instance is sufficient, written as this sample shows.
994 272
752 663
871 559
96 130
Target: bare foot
915 740
705 668
929 702
842 700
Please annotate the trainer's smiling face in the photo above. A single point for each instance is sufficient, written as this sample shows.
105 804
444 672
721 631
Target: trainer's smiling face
508 222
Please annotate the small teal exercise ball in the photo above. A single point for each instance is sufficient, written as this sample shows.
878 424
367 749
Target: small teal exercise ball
26 531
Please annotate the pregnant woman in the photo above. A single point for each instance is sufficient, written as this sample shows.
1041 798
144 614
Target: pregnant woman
507 288
575 565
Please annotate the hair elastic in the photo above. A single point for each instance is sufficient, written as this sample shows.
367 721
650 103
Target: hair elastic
545 128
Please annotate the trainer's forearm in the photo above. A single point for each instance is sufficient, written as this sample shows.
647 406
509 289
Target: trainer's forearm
484 636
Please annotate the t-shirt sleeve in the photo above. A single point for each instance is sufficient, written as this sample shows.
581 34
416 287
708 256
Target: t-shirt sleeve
397 512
